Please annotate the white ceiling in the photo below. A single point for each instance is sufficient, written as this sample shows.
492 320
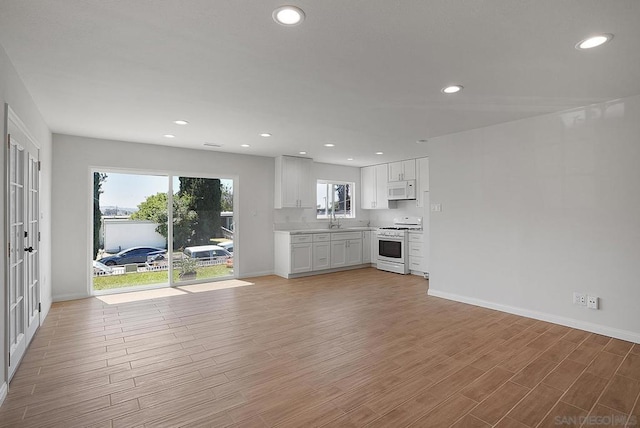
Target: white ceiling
365 75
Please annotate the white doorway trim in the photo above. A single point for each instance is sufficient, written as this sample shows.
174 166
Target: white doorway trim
22 231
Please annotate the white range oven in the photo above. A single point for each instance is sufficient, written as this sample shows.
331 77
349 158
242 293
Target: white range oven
393 255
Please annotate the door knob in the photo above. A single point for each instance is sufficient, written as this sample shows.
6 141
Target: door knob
30 249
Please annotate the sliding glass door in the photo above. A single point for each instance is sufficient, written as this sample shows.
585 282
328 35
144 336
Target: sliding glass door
138 241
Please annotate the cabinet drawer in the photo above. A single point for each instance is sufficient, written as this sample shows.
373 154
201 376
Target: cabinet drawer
416 237
416 249
300 239
342 236
321 237
415 263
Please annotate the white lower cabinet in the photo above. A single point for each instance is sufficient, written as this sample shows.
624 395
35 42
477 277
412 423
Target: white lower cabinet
338 254
418 254
346 249
301 254
309 252
354 252
366 246
321 251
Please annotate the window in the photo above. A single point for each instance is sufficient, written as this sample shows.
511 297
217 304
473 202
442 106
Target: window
334 199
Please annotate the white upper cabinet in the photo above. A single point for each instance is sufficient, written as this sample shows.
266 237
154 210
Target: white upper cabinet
294 187
422 165
402 170
373 183
368 187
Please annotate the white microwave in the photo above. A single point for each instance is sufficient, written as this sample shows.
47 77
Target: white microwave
399 190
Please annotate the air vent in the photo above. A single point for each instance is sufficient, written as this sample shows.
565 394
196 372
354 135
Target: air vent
212 145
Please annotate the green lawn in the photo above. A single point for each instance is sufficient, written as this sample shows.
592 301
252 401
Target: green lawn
108 282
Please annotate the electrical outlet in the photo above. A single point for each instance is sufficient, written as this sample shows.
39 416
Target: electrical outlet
592 302
579 299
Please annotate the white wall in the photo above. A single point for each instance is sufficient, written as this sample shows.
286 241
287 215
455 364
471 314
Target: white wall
14 93
73 159
536 209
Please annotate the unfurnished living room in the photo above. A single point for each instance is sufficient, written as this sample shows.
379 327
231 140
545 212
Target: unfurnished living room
320 214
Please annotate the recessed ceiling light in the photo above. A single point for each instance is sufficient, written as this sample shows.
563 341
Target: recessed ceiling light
244 145
288 15
349 159
379 153
594 41
303 153
329 145
265 134
169 136
180 122
452 89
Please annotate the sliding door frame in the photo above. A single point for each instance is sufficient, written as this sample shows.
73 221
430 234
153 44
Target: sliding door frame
170 174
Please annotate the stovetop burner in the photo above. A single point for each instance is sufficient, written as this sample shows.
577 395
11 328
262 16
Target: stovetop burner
405 223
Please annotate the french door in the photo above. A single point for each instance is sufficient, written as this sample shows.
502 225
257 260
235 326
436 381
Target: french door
23 249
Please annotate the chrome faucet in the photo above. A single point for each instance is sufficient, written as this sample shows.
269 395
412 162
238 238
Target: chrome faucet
333 222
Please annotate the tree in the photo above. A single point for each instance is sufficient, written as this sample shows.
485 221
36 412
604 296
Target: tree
343 204
206 200
154 208
98 179
151 208
196 211
227 198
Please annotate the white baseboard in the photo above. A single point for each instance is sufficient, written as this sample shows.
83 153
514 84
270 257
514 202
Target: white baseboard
46 307
542 316
70 296
254 274
3 392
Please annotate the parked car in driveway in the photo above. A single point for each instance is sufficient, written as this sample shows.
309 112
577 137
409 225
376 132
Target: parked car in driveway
227 246
207 252
156 257
130 255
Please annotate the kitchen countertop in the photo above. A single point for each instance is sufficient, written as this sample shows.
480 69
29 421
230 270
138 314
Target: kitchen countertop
342 229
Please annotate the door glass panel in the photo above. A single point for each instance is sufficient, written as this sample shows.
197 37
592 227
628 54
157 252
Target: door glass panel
203 228
132 213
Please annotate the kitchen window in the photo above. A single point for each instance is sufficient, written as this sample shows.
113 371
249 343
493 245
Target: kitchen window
334 199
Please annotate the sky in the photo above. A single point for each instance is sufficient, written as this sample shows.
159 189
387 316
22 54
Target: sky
129 190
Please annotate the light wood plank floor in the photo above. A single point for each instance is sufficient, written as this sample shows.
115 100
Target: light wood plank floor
358 348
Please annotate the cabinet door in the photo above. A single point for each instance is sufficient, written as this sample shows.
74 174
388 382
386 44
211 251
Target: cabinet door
306 184
354 252
301 258
409 169
381 186
338 253
395 171
422 182
368 187
402 170
294 183
366 246
321 252
289 182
